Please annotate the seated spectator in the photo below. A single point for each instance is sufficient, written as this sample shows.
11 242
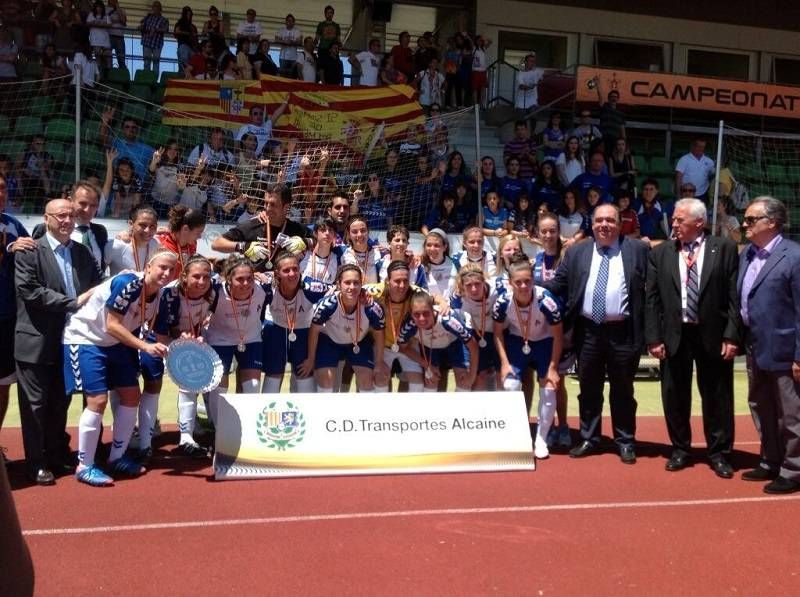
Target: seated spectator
523 148
402 60
36 168
489 181
496 217
266 65
572 219
512 185
153 28
243 64
524 216
213 151
414 142
186 35
128 144
193 187
163 170
211 71
655 216
629 220
595 176
331 66
594 197
250 29
389 74
119 21
214 31
126 189
423 194
99 24
373 205
431 86
197 62
307 62
553 137
547 189
368 63
261 125
446 216
466 202
290 37
435 124
687 191
455 172
328 31
727 224
622 167
570 163
585 131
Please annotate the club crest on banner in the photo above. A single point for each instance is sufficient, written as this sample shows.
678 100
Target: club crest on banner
281 427
231 99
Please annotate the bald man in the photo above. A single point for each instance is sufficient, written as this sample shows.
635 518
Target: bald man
53 279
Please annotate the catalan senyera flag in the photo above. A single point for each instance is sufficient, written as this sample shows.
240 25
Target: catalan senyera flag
347 115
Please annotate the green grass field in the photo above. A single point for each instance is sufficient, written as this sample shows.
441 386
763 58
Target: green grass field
647 394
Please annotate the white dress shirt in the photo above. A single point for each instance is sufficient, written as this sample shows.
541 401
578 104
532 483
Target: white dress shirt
700 252
616 290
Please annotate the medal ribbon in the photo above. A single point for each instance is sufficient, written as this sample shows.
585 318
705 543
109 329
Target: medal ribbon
524 323
236 313
358 321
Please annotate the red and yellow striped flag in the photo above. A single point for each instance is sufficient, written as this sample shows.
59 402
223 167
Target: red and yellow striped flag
189 102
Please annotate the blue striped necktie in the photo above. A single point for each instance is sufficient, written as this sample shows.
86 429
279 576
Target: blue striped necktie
600 286
692 283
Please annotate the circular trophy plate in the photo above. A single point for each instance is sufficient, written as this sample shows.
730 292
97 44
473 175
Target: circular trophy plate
194 366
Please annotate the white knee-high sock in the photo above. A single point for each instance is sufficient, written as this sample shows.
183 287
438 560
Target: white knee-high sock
306 386
148 410
321 390
271 385
250 386
434 389
113 399
381 389
416 387
124 422
546 412
187 412
88 436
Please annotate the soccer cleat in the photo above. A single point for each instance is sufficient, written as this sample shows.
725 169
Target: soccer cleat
191 450
157 429
540 449
92 475
126 466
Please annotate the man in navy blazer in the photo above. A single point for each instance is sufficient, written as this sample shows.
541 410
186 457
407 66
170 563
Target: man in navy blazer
602 282
769 290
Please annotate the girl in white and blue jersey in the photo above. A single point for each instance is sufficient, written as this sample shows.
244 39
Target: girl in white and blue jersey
132 256
439 269
508 246
433 340
185 310
322 263
528 333
475 297
397 237
340 330
234 329
101 344
474 252
358 251
290 308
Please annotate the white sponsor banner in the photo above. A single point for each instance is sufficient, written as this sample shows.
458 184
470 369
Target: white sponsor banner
301 435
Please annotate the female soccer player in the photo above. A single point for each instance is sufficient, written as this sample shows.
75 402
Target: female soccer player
322 263
100 352
474 252
186 226
439 339
184 312
439 269
476 298
358 251
339 331
508 246
133 255
286 323
528 333
397 236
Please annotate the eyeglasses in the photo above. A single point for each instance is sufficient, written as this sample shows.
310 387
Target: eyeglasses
750 220
61 217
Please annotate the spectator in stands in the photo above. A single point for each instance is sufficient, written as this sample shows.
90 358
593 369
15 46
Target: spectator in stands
403 58
585 131
53 66
655 216
153 28
465 46
570 163
99 24
452 60
727 224
522 147
310 182
186 36
486 176
480 63
553 137
213 151
368 63
373 205
266 65
12 187
425 53
512 185
211 71
612 120
446 217
127 145
197 62
595 176
328 31
307 62
527 96
423 193
119 21
83 60
290 38
36 168
67 24
547 189
622 167
126 190
43 24
389 74
243 64
214 31
193 187
629 221
696 167
496 217
250 29
572 219
163 170
331 66
431 86
261 125
687 191
455 172
229 70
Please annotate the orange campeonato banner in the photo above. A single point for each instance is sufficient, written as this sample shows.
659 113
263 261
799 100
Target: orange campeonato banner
641 88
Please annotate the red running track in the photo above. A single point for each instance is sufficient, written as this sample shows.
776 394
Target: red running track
574 527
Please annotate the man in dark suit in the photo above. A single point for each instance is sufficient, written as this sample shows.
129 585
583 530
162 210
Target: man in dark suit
53 279
692 315
603 282
85 199
769 289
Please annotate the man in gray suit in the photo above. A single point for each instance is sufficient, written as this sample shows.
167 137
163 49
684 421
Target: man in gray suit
53 279
769 289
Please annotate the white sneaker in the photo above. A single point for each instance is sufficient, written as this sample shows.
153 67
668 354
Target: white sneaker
540 449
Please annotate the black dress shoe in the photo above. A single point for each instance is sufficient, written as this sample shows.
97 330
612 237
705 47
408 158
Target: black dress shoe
583 449
678 461
42 476
782 485
627 455
759 474
722 468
